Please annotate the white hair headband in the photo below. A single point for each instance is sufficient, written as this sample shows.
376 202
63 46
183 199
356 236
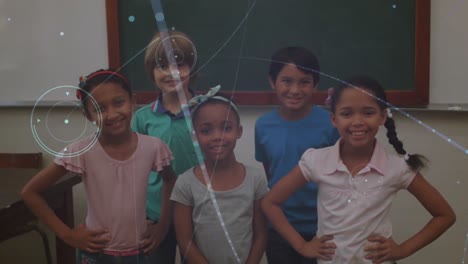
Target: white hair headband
198 100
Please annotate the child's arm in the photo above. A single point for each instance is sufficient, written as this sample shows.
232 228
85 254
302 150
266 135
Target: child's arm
260 153
157 232
442 218
259 235
316 248
184 234
80 237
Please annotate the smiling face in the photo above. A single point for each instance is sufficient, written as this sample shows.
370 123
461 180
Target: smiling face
357 116
294 89
217 128
168 82
116 109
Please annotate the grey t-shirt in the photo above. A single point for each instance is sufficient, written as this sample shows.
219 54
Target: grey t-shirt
236 208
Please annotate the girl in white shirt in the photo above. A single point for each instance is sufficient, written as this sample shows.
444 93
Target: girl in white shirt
357 182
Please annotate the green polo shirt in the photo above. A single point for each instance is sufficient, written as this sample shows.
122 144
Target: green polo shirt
155 120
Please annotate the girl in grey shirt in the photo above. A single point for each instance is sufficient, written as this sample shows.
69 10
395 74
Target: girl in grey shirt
217 212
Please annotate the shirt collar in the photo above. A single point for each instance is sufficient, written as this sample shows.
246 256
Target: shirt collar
377 162
158 106
379 158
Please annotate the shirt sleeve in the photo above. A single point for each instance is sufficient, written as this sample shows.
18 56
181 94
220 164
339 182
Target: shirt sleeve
260 155
407 175
307 165
71 158
182 193
163 156
261 185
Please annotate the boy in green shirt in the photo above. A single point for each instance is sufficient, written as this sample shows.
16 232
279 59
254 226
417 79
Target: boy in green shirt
164 119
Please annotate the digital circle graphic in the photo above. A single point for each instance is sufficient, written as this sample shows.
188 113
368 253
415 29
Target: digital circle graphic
72 129
66 121
175 54
159 17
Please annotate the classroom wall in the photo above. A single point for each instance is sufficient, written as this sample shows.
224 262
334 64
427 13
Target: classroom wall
449 55
52 42
447 171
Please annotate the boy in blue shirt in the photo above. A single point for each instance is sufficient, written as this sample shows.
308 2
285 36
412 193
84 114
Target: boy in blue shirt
284 134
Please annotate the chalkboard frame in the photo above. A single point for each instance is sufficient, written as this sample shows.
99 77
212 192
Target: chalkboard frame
418 97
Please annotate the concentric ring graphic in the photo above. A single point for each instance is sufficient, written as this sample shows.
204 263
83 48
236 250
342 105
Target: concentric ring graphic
35 122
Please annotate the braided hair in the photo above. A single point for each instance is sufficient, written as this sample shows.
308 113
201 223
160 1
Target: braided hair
414 161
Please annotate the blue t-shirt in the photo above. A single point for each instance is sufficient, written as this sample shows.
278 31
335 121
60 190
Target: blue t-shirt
280 144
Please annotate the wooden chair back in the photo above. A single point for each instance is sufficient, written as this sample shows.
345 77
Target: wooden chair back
21 160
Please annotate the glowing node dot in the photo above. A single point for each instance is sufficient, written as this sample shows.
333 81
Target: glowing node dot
466 151
449 140
66 121
131 18
67 93
159 17
394 6
458 182
38 120
9 19
173 28
349 200
61 33
419 122
433 130
94 122
65 149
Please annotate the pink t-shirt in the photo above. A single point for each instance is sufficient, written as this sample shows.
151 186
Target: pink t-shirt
353 208
116 190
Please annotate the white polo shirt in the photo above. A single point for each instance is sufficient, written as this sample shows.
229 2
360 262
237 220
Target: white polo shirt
353 208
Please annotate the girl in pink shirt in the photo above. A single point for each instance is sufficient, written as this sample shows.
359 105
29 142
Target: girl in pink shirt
357 182
114 165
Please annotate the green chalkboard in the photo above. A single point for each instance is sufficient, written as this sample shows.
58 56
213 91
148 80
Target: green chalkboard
235 40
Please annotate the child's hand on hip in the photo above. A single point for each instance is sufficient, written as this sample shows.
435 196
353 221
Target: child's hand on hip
319 248
154 235
85 239
382 249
